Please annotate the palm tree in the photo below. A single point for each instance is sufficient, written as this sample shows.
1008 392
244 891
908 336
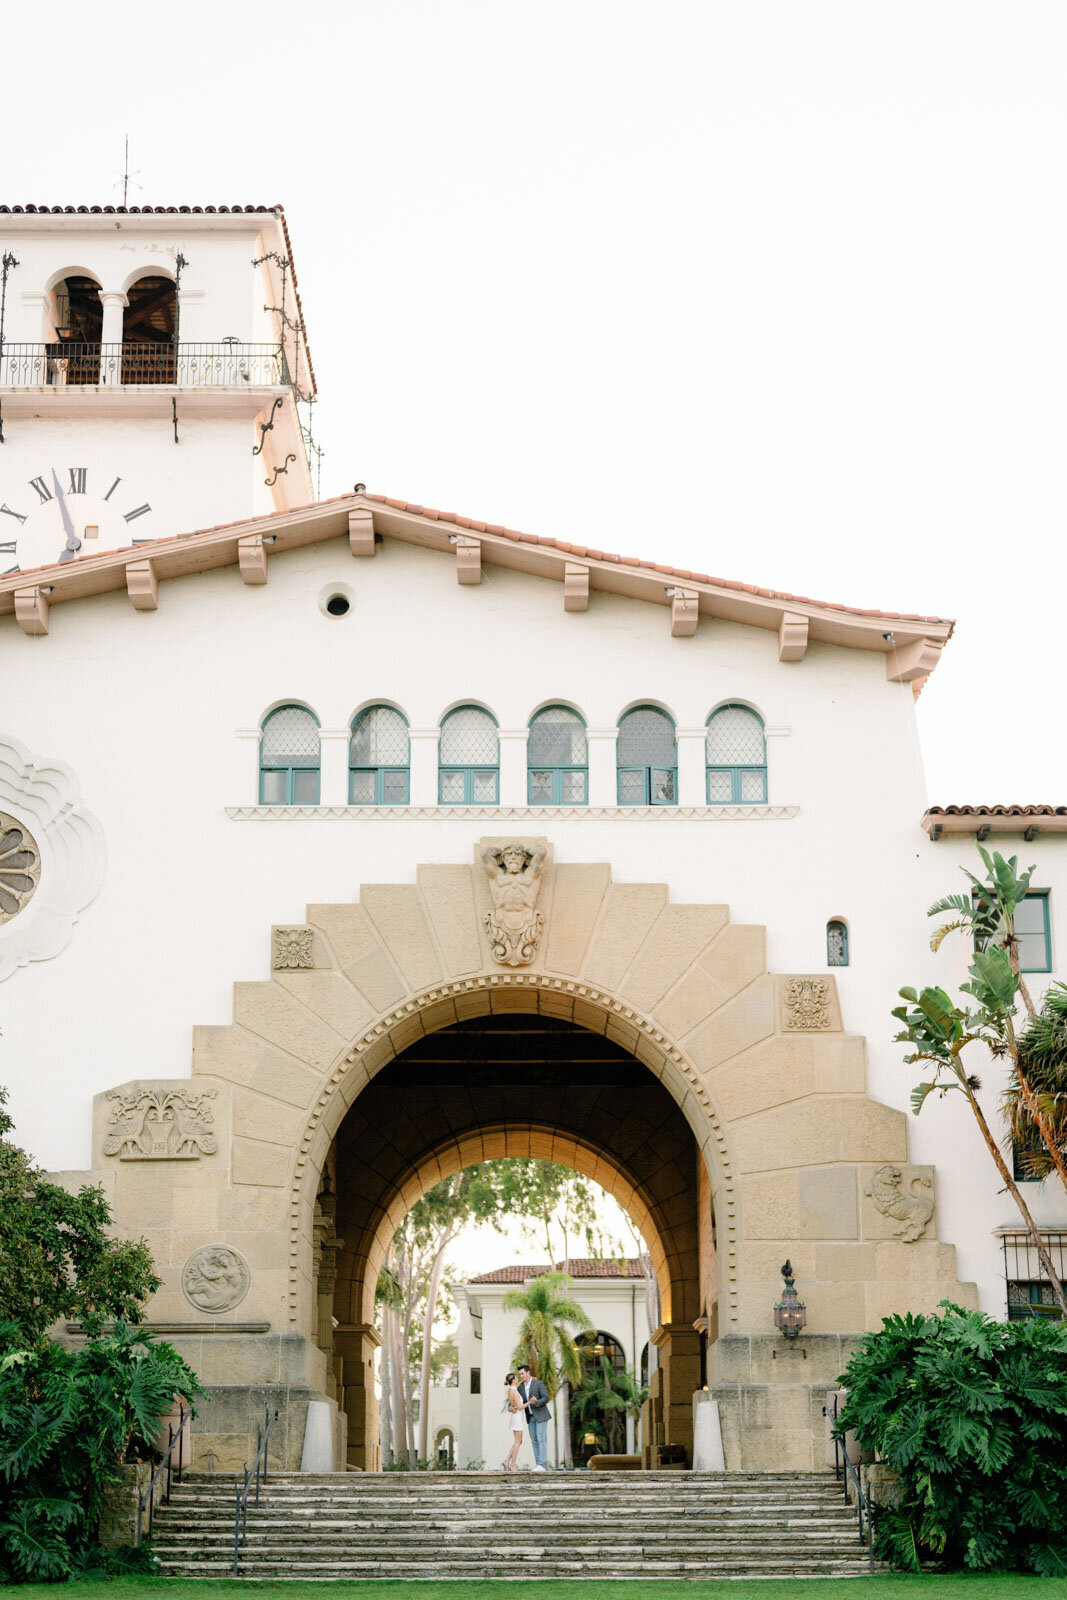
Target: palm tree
545 1342
605 1398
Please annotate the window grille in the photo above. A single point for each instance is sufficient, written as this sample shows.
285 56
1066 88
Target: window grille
557 759
469 758
1027 1290
736 757
647 758
1033 930
289 758
836 944
379 759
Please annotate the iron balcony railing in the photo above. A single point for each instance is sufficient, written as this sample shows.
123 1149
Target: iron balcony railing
65 364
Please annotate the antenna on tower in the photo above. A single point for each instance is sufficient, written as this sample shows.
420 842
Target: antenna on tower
126 178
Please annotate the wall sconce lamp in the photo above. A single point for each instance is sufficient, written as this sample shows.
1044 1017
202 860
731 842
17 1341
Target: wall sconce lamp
790 1312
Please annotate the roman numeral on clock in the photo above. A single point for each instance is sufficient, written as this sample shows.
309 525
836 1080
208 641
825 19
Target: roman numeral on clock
43 491
7 548
6 511
140 511
77 479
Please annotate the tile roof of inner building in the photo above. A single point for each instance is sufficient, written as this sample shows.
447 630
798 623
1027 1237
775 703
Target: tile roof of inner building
997 811
577 1267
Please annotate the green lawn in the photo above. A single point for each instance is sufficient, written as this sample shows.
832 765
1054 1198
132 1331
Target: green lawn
890 1587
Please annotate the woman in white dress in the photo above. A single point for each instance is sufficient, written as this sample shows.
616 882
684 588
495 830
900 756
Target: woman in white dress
516 1420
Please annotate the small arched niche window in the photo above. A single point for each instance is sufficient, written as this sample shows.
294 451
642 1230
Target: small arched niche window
378 758
149 354
469 759
74 320
647 758
289 758
557 762
736 757
836 944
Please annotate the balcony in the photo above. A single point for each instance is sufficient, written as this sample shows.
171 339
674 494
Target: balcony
69 365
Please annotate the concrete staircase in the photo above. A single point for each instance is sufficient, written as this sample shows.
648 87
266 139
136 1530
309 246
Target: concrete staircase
492 1525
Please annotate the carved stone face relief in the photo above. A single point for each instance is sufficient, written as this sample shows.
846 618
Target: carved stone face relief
216 1278
806 1003
20 866
160 1125
514 924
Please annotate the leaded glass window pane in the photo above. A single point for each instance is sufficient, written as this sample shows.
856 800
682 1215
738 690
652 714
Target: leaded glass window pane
573 788
720 788
541 788
452 788
631 788
273 788
836 944
395 788
735 739
469 739
379 739
557 739
483 788
306 786
754 786
290 739
646 739
662 786
363 788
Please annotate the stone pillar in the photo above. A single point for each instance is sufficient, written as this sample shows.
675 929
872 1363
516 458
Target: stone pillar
603 781
355 1343
424 743
679 1353
513 786
114 303
246 767
692 766
333 778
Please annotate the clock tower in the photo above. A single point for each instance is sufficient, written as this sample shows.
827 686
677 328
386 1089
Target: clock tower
153 364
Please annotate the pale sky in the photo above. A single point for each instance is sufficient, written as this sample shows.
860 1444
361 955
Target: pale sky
773 290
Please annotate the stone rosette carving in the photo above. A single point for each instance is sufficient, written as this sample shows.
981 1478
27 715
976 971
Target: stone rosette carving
894 1195
292 947
40 799
216 1278
20 866
160 1125
514 924
806 1004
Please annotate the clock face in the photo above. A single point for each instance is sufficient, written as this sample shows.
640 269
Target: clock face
69 512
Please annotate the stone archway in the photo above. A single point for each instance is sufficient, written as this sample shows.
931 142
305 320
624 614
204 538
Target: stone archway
772 1088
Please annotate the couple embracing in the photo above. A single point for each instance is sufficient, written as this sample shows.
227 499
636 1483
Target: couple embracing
526 1398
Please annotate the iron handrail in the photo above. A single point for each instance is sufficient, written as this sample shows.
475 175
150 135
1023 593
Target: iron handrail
846 1471
66 363
174 1441
241 1490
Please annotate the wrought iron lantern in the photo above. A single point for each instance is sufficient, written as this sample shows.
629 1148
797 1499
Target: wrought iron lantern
790 1312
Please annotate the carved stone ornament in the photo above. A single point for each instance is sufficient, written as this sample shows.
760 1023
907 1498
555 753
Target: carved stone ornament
292 947
160 1125
890 1196
807 1003
51 856
20 866
514 924
216 1278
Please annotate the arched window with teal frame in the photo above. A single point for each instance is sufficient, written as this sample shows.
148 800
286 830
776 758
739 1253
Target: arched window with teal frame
379 759
836 943
289 758
647 758
468 760
736 757
557 759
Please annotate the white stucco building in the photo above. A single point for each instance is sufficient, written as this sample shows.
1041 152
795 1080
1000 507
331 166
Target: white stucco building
253 751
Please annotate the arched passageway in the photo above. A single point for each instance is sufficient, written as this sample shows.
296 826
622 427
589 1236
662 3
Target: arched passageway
515 1085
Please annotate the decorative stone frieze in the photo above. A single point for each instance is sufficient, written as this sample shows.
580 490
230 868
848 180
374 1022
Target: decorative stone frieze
292 948
806 1004
20 866
893 1194
514 924
160 1125
216 1278
661 815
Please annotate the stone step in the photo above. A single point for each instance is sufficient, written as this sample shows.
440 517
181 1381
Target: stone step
801 1527
780 1566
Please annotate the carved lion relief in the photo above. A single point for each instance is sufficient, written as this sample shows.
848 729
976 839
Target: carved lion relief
216 1278
160 1125
911 1211
514 924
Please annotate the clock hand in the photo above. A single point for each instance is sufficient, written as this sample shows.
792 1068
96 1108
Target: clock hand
73 543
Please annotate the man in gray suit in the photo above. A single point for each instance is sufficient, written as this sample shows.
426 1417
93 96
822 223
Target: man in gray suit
538 1415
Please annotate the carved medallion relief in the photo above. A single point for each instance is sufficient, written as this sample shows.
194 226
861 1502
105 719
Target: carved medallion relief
292 948
216 1278
160 1125
20 866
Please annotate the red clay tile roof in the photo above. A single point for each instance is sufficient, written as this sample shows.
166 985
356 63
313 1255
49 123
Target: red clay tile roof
580 1267
586 551
996 811
176 211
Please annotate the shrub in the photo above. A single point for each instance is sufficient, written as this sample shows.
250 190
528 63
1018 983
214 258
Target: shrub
68 1418
972 1414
